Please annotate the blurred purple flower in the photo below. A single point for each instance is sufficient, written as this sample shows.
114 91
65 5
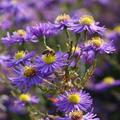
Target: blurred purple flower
107 83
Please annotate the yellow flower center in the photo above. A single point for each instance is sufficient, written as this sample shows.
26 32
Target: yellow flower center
24 97
117 28
19 54
29 71
108 80
74 98
76 115
97 41
86 20
21 32
48 58
63 17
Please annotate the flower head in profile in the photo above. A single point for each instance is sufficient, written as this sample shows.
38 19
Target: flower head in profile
74 100
61 21
20 57
86 23
20 36
79 115
50 61
43 29
26 97
99 45
102 45
25 77
107 83
114 35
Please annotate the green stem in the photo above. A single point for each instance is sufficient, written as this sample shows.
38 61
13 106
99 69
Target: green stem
44 41
85 36
49 83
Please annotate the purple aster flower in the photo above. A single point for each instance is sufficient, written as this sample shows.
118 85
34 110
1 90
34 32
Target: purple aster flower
14 105
50 61
19 37
78 115
86 23
18 104
26 97
26 77
107 83
62 21
74 100
99 45
19 57
103 46
43 29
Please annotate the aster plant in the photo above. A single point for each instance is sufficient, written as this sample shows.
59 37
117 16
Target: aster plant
54 74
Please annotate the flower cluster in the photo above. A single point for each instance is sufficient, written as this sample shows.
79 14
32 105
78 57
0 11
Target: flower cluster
57 73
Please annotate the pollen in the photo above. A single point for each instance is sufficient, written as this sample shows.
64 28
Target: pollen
24 97
108 80
86 20
21 32
62 18
29 71
97 41
117 28
19 54
76 115
74 98
48 58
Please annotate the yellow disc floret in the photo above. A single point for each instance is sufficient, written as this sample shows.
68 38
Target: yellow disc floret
108 80
117 28
76 115
24 97
19 54
48 58
63 17
74 98
86 20
97 41
21 32
29 71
